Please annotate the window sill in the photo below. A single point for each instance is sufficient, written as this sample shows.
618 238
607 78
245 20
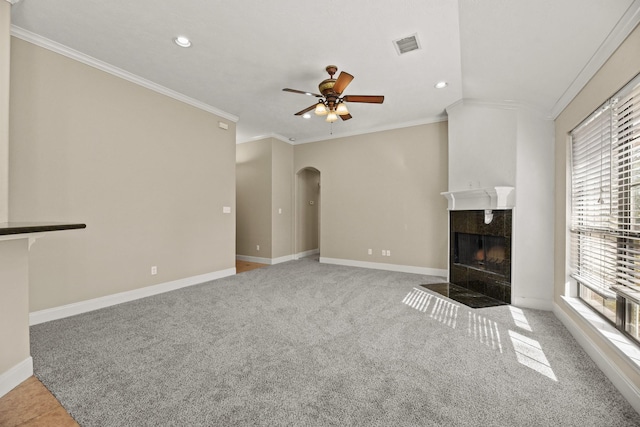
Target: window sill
624 346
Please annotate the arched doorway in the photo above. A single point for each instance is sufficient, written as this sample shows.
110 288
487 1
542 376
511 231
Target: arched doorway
307 229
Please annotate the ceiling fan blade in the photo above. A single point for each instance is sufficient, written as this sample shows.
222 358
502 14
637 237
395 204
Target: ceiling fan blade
302 92
306 110
345 117
371 99
343 81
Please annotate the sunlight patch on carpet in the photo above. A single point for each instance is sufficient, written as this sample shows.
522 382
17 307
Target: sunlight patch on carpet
484 330
529 353
520 318
441 310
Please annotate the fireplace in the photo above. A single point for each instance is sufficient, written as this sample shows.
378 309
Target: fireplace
480 253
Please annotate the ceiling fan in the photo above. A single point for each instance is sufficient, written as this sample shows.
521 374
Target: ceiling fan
331 102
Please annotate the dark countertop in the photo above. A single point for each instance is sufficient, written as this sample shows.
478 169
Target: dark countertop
7 228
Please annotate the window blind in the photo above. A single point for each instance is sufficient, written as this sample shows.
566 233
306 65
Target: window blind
626 189
593 250
605 194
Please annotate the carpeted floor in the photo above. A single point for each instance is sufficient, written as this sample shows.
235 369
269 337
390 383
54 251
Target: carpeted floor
308 344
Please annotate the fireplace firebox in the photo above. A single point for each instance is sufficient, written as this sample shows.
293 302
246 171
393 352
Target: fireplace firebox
480 253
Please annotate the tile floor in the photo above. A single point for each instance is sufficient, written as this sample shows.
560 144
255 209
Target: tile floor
242 266
31 405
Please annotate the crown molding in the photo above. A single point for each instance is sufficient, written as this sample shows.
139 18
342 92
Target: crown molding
261 137
618 34
435 119
490 103
430 120
61 49
502 105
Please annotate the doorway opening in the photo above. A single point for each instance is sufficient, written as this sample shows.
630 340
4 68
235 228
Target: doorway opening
307 229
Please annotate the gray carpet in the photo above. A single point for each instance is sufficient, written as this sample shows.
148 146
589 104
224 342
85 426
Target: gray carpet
307 344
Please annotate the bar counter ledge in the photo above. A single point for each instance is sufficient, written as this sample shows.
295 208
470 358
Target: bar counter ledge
16 239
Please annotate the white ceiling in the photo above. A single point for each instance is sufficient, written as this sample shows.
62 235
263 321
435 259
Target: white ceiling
535 52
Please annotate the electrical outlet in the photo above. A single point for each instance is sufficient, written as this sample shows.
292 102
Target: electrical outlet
370 251
257 247
388 252
154 270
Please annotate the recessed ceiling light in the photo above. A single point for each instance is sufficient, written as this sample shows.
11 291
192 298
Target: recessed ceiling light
441 85
182 41
306 115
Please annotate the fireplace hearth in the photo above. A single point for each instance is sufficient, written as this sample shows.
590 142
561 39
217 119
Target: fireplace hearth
480 253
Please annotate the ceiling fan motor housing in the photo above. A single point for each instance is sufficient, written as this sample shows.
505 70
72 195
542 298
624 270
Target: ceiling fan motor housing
326 87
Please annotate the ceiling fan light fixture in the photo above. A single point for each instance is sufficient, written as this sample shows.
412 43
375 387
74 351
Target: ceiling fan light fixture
321 109
342 109
332 116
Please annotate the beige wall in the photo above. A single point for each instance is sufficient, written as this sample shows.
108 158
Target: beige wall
149 176
253 195
623 65
264 171
14 303
307 219
282 198
5 56
382 191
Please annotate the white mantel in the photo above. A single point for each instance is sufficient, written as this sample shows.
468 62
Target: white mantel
481 198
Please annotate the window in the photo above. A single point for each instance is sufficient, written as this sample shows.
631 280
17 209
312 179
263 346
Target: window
605 207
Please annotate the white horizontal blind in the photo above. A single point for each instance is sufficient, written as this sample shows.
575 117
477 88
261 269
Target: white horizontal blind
626 182
593 249
605 221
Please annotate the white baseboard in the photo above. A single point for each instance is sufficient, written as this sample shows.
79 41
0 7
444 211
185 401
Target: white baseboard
534 303
268 261
16 375
625 386
307 253
389 267
282 259
63 311
259 260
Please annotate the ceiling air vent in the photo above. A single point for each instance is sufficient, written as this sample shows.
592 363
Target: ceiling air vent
407 44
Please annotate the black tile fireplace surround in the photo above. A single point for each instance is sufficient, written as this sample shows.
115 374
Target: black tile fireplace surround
480 254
